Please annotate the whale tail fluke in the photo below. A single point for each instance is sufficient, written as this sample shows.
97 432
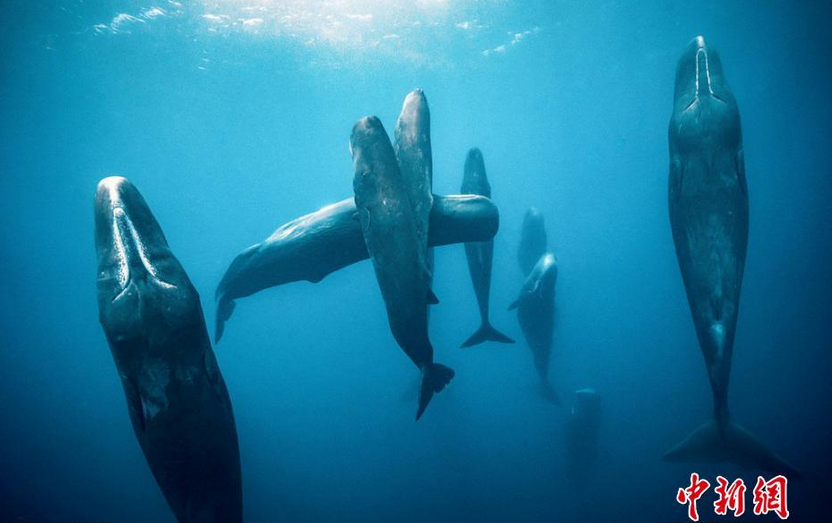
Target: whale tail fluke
548 392
435 377
486 333
714 442
224 310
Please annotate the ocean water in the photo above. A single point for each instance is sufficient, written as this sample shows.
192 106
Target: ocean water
233 117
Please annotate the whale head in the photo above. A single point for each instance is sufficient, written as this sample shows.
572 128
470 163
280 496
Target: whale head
138 275
703 103
474 179
700 77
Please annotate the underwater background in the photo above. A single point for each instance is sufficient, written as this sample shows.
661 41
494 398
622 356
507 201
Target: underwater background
233 118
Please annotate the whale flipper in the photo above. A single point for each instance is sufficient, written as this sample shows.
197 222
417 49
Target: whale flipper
486 332
224 310
434 378
432 299
733 443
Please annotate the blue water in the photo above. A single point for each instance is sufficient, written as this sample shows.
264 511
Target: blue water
231 126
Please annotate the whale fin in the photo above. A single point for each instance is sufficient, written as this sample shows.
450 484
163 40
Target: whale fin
224 310
434 378
135 405
548 392
730 442
515 303
432 299
486 333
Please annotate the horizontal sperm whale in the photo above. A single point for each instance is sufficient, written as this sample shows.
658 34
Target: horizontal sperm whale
315 245
176 396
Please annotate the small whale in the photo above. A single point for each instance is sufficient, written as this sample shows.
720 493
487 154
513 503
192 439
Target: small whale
480 254
532 240
582 435
536 313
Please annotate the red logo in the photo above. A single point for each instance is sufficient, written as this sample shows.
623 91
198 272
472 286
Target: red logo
769 496
730 498
691 494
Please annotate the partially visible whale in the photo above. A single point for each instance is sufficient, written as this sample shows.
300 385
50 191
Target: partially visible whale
533 243
177 400
536 313
389 226
708 200
315 245
415 158
582 435
480 254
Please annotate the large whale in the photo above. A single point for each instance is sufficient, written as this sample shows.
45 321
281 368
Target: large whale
177 400
315 245
532 240
536 313
708 200
480 254
389 227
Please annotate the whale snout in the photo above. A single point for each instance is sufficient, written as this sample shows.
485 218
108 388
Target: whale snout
130 244
699 75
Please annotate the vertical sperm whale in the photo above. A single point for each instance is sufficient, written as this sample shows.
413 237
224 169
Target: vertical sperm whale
390 228
480 254
708 200
176 396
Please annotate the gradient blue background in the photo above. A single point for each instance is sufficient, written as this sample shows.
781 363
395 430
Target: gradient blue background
232 131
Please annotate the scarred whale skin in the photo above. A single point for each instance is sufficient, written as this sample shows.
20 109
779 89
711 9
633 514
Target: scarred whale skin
315 245
176 396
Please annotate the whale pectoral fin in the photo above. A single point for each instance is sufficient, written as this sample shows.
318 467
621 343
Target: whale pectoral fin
432 299
135 405
224 310
212 371
363 216
515 303
675 178
740 161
